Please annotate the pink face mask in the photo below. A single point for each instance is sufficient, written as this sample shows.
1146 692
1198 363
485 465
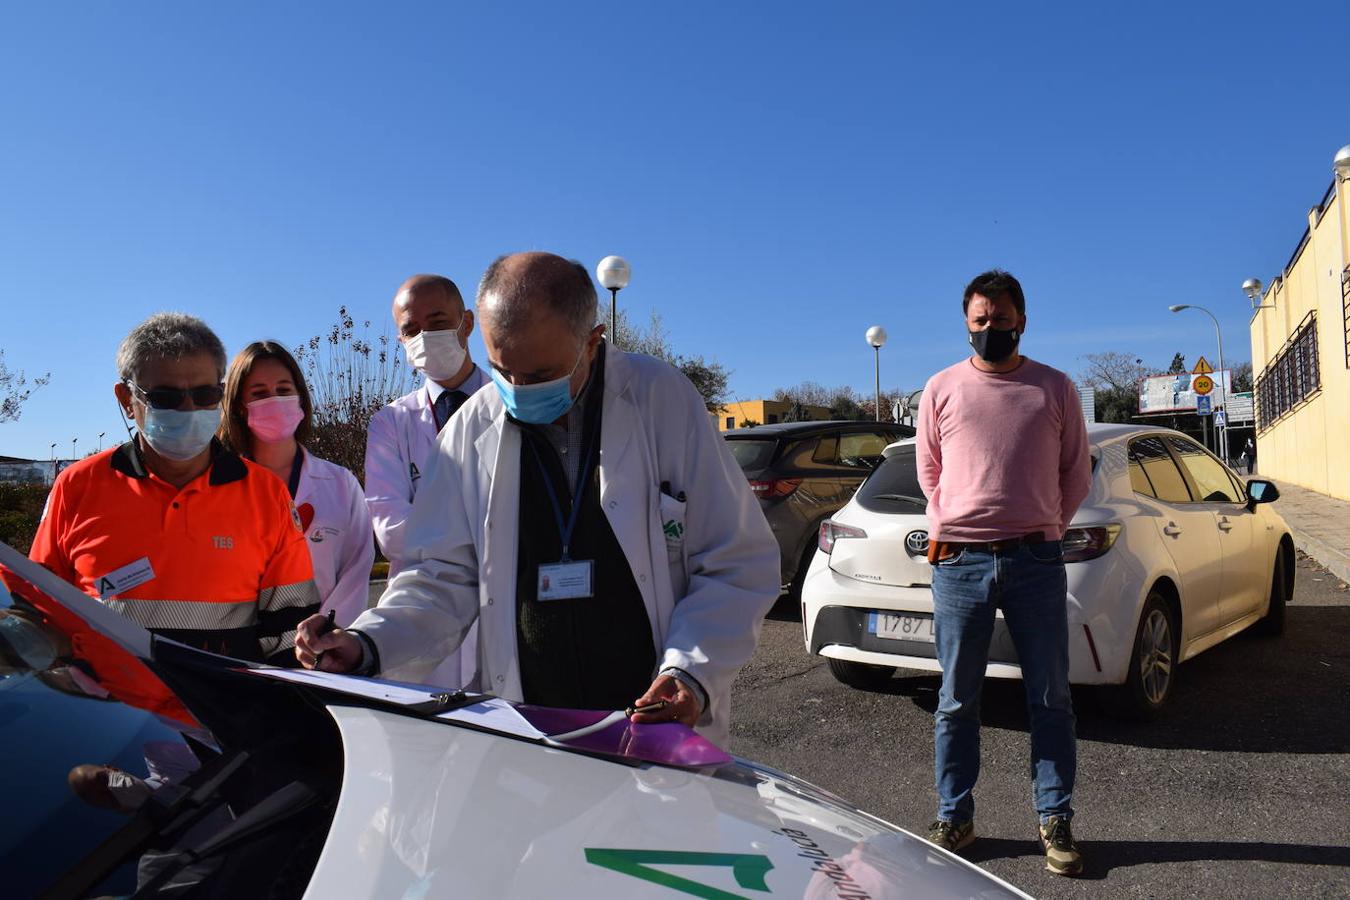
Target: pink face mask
275 418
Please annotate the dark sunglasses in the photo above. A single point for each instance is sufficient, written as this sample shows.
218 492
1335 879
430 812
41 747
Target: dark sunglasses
172 398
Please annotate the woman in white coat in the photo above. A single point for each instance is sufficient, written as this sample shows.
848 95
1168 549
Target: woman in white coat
267 416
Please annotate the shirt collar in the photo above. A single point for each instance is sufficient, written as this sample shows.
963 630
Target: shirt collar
226 466
471 383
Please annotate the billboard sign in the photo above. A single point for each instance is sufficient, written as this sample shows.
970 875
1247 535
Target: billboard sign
1177 394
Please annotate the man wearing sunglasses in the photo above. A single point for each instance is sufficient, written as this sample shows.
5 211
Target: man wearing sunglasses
170 529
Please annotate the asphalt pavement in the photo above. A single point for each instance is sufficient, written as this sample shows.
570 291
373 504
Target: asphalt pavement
1240 789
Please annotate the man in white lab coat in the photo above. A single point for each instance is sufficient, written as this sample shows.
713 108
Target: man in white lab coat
434 328
649 590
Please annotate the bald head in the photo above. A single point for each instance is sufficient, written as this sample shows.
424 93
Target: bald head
427 303
520 288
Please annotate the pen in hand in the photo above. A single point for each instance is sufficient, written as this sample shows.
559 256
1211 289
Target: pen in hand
328 625
654 706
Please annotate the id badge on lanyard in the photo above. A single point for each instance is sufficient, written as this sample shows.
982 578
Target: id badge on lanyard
567 579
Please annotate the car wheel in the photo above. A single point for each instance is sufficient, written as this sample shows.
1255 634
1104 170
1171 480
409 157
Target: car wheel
1153 663
795 588
1272 623
863 676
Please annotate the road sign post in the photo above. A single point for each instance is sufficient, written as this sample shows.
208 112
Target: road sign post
1202 384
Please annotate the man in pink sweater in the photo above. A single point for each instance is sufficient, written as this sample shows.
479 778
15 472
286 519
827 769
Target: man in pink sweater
1003 457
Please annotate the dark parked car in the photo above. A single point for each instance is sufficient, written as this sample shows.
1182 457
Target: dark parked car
803 472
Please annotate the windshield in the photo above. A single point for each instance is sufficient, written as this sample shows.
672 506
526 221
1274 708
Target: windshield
894 486
102 757
56 719
752 455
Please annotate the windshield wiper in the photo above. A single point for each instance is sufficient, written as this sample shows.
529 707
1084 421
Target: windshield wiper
171 809
280 807
906 497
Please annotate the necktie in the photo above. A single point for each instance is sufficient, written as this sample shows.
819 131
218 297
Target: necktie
446 404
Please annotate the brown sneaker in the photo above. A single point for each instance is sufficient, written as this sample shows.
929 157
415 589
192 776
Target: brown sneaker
951 836
1061 853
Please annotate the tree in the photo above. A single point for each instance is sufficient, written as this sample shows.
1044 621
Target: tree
350 379
867 404
14 390
1178 366
1115 377
709 378
843 402
796 412
1242 377
808 393
844 405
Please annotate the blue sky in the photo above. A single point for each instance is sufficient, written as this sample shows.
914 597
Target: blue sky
780 176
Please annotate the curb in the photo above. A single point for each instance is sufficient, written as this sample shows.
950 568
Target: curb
1333 560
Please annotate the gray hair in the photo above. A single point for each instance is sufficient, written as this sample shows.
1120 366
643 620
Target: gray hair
516 286
167 335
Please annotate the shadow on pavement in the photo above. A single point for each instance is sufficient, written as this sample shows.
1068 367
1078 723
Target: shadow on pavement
1288 694
1102 857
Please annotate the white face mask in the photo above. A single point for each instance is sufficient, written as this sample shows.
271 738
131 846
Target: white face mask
439 354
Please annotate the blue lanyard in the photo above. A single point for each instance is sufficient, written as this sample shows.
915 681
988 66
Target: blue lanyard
583 475
294 482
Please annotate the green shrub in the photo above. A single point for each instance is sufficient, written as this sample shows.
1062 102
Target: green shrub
20 509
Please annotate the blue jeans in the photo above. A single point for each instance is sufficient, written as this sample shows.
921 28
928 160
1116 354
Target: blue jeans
1029 585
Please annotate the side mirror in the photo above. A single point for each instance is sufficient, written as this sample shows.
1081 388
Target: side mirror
1259 491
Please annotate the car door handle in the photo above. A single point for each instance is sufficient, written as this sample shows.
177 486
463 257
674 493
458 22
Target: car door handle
1171 529
1225 525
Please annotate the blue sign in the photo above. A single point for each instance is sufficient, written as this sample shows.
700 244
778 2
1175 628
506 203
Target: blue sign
1203 404
1220 417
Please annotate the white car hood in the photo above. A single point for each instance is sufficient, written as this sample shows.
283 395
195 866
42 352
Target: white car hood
433 809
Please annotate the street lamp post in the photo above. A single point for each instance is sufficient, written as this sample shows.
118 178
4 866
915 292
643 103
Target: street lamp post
1223 390
1340 168
72 447
53 462
613 273
1253 288
876 336
100 441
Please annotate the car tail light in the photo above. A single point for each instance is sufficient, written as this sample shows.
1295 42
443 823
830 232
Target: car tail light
778 487
831 531
1081 544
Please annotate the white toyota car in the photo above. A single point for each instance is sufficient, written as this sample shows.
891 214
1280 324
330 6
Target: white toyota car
1170 554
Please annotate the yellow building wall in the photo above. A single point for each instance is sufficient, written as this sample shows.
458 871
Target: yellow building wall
1310 445
761 411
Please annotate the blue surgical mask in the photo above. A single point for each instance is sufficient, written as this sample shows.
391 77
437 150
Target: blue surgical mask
537 404
180 434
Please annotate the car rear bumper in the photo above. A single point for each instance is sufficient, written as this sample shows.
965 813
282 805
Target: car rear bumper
834 624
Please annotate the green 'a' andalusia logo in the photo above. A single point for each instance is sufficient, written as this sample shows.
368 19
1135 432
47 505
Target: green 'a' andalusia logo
749 869
674 530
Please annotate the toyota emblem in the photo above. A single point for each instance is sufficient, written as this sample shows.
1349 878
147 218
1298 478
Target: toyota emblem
916 542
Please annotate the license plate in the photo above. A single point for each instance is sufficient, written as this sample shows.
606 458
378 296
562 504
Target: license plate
897 627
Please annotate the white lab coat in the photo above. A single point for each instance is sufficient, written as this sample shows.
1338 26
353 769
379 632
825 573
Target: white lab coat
399 442
707 568
338 532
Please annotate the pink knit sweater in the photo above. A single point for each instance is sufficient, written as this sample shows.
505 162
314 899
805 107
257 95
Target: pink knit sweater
1001 455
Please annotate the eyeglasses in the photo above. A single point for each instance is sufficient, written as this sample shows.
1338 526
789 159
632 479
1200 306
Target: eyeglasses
204 395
